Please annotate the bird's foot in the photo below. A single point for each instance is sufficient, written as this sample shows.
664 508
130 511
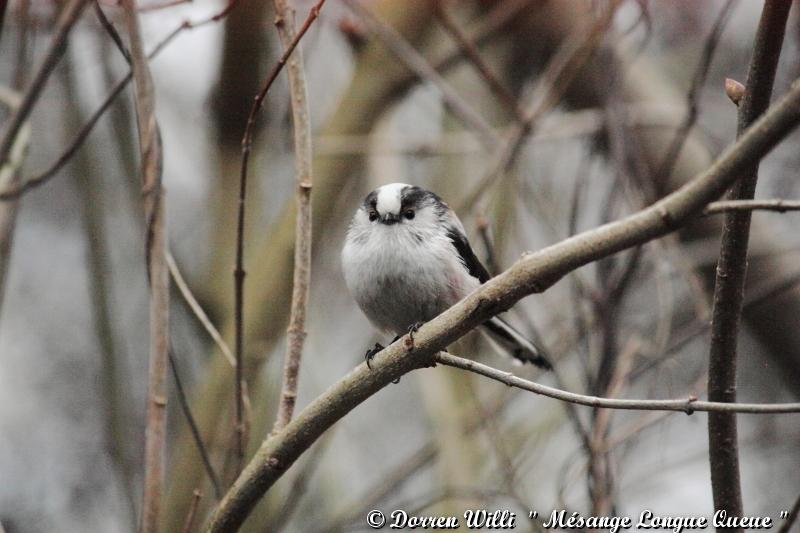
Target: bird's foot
371 353
409 342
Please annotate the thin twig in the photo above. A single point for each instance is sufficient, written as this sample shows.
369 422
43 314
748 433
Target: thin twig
197 309
10 174
30 183
731 270
420 66
688 405
693 95
158 274
66 20
296 332
193 428
552 85
778 204
175 274
533 272
189 522
239 272
471 52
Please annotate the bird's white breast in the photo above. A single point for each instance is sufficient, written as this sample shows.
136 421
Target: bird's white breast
400 276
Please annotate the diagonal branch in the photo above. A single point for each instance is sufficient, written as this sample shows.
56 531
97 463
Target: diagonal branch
471 53
18 189
69 16
534 272
698 80
732 269
420 66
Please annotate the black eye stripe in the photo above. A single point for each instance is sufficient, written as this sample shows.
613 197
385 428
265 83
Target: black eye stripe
412 197
371 200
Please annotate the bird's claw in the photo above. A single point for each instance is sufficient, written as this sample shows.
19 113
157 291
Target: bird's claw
413 328
372 352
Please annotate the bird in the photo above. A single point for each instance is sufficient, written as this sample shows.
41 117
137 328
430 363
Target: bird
406 259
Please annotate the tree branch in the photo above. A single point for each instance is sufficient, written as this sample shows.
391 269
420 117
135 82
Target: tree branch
158 274
689 405
732 270
420 66
698 80
534 272
296 333
197 309
18 189
69 16
471 53
239 272
778 205
550 87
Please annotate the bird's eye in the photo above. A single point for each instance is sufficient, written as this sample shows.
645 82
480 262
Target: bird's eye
408 213
373 215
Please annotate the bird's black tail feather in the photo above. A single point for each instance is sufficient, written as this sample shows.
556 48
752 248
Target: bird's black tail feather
515 344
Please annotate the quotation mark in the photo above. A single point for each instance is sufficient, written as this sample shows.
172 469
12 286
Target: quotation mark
533 514
784 514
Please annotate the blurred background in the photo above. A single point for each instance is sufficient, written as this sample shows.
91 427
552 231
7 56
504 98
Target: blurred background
624 110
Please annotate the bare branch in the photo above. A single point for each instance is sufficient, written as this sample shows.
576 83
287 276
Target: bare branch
420 66
9 175
239 272
534 272
155 223
189 522
688 405
195 430
732 269
296 333
551 86
69 16
778 204
693 95
197 309
25 185
471 53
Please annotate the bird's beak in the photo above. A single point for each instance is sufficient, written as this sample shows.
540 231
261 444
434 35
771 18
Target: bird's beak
390 218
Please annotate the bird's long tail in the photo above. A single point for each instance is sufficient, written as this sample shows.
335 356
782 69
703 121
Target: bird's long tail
514 343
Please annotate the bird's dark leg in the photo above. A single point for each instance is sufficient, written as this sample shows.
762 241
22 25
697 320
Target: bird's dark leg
371 353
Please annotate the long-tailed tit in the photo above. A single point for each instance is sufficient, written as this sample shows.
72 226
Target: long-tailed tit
407 259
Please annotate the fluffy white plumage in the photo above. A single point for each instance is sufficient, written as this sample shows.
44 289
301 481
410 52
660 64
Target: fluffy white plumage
406 259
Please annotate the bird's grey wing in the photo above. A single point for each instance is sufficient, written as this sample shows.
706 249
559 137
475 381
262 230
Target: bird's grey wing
473 264
509 339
